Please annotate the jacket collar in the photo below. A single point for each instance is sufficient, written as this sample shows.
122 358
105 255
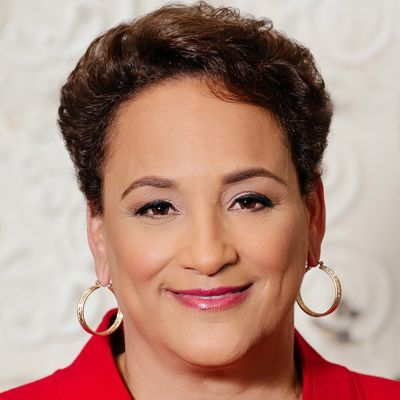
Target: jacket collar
323 379
97 374
94 373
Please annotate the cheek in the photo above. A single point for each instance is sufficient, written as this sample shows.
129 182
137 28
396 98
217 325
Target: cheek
277 253
134 252
279 246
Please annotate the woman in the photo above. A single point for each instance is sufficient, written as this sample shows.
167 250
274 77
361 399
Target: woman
197 137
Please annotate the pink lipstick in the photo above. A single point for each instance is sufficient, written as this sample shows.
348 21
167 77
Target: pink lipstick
219 298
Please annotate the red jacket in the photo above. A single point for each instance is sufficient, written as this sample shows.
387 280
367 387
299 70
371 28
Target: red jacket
94 376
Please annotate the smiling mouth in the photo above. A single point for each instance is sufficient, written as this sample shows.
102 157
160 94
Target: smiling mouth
219 298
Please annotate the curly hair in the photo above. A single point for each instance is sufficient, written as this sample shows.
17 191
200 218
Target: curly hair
241 58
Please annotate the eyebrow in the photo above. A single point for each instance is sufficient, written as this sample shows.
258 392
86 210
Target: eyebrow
228 179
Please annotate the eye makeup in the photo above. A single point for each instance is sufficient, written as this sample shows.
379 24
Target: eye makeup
159 208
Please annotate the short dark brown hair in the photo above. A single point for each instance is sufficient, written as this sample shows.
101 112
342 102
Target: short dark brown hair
240 57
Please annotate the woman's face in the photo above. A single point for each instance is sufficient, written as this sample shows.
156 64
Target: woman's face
202 194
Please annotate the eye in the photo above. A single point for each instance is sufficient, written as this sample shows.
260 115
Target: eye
154 208
253 202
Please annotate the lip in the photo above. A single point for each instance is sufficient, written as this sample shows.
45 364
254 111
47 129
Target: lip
219 298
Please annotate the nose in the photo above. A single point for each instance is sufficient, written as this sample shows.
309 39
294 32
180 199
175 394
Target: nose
207 249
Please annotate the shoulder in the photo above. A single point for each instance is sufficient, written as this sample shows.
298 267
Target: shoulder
375 387
92 375
329 381
44 388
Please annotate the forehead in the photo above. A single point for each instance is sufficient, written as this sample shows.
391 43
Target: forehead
180 123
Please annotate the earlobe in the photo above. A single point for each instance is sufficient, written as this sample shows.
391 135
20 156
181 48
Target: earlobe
96 239
315 203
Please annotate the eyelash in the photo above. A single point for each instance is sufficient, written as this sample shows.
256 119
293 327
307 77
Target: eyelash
265 201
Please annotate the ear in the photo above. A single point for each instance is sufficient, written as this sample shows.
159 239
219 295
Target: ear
315 203
96 239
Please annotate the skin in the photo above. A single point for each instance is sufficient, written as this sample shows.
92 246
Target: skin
206 238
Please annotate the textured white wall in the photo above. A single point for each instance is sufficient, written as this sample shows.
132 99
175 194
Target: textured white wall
44 260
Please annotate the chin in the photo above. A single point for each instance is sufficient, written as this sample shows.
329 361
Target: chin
212 358
214 350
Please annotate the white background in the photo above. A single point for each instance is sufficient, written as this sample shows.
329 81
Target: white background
44 260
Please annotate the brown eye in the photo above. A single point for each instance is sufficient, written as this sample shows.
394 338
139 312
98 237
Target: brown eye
154 208
248 203
253 202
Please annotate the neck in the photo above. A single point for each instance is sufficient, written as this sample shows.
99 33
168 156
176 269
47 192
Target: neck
268 370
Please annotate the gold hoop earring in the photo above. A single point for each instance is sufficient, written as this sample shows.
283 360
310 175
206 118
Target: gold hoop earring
81 312
338 293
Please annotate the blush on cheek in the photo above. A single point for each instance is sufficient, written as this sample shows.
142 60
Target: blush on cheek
135 254
134 260
282 255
